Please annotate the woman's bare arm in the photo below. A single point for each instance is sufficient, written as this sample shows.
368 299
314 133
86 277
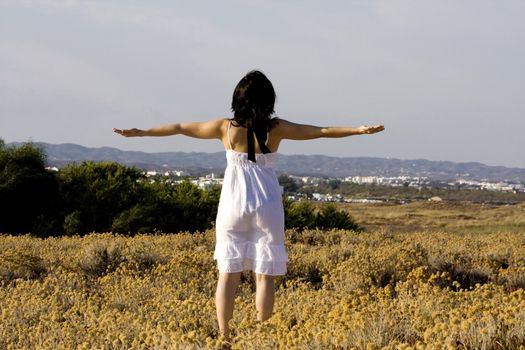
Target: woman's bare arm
293 131
201 130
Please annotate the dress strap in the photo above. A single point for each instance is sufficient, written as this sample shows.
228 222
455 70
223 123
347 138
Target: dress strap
229 139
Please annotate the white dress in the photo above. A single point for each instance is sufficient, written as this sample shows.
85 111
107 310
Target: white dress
250 217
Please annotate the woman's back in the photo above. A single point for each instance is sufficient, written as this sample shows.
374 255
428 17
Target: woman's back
237 140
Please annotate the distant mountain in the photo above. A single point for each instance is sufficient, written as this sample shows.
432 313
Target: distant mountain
303 165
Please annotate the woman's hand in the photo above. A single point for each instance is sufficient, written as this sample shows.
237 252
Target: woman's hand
129 132
365 129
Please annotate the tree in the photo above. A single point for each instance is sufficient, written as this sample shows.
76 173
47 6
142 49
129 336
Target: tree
302 215
29 193
93 194
299 215
171 208
289 184
329 218
333 184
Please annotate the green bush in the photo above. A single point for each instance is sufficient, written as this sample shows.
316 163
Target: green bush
289 184
93 194
73 223
331 218
170 207
299 215
107 196
29 193
112 197
302 215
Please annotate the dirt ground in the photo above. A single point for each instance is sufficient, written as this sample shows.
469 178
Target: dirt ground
437 216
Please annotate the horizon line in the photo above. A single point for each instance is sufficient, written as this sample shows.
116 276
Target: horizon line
284 154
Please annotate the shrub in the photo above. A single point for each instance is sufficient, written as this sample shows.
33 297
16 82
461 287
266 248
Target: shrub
15 265
138 219
299 215
331 218
170 208
459 273
28 192
343 290
302 215
143 257
73 223
289 184
99 258
95 193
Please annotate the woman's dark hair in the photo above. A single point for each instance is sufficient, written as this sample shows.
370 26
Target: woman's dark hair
252 106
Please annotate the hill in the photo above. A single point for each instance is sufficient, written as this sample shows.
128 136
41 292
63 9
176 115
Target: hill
303 165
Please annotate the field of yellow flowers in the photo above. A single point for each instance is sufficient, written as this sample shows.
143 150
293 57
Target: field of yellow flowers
444 277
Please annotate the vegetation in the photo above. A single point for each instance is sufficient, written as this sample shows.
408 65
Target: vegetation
89 197
402 193
94 193
106 196
29 193
303 215
458 283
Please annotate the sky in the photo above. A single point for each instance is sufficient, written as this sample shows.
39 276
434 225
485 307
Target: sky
445 77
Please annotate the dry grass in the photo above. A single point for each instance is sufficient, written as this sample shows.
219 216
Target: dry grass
445 286
452 217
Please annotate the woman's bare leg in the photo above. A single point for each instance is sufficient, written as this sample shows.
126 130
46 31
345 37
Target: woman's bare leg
224 299
265 296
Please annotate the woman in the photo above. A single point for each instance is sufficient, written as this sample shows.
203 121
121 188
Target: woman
250 217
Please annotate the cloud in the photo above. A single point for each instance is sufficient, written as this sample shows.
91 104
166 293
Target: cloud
167 19
27 66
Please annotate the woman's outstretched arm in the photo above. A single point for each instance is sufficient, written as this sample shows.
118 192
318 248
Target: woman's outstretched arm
293 131
201 130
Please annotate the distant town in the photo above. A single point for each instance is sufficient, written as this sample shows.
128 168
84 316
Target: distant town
311 182
200 164
334 179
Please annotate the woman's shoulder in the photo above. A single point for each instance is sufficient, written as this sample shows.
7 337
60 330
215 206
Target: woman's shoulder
278 121
280 124
218 123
